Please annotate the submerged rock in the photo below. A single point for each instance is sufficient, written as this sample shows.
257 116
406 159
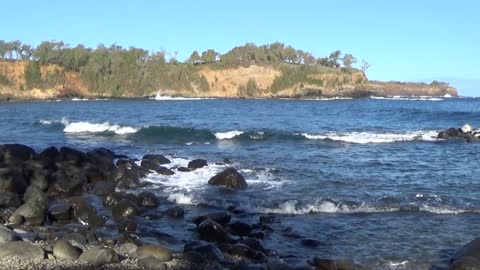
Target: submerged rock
467 132
212 231
229 178
197 163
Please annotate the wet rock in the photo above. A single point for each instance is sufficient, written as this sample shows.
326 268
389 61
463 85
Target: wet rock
34 194
229 178
128 226
16 152
72 155
7 235
279 265
240 228
212 231
148 199
241 250
12 180
309 242
84 213
102 158
128 250
160 159
465 263
152 263
329 264
155 166
128 178
267 219
104 188
39 178
76 239
207 250
9 199
98 256
33 213
68 180
183 169
175 212
60 212
197 163
254 244
50 155
465 255
21 250
124 209
220 217
158 251
6 213
65 250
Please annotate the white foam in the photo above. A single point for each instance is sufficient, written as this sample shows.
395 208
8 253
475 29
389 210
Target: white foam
106 127
415 98
328 99
46 122
160 97
259 135
292 207
80 99
228 134
442 210
371 137
181 198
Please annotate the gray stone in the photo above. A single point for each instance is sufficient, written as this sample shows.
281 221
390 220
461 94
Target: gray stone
21 250
128 250
7 235
158 251
152 263
229 178
65 250
98 256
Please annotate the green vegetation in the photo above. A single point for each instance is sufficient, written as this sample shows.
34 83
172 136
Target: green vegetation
116 71
4 80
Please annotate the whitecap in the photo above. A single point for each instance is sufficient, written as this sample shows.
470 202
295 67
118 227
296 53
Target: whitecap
181 198
228 134
372 137
106 127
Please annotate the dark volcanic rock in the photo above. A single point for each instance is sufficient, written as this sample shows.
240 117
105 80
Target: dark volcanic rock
212 231
220 217
9 199
309 242
183 169
7 235
155 166
240 228
85 213
16 152
67 180
329 264
229 178
147 199
21 250
50 155
160 159
466 256
104 188
207 249
197 163
60 212
98 256
72 155
102 158
128 226
124 209
175 212
12 180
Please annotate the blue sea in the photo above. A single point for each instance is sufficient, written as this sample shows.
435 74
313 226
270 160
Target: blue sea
367 178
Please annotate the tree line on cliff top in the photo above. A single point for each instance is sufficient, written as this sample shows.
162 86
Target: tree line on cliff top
115 70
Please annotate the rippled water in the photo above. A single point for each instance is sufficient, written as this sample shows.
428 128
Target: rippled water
367 178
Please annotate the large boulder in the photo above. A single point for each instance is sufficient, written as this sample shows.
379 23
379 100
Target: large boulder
72 155
208 250
9 199
64 250
98 256
158 251
197 163
102 158
467 256
124 209
154 165
220 217
69 180
60 212
21 250
32 211
160 159
229 178
212 231
148 199
12 180
16 152
84 213
7 235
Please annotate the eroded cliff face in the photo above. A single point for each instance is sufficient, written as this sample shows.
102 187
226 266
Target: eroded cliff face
227 83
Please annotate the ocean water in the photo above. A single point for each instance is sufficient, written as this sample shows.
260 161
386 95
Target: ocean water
366 177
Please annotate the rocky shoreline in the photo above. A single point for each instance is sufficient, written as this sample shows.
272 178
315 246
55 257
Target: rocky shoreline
68 209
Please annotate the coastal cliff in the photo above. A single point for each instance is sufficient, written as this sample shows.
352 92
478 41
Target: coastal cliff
251 80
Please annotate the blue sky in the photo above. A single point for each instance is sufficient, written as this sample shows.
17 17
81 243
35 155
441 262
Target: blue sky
408 40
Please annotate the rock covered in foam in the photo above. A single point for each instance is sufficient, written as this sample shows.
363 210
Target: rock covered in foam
467 132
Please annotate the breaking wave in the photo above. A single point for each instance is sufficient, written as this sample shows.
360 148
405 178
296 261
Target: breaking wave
192 136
